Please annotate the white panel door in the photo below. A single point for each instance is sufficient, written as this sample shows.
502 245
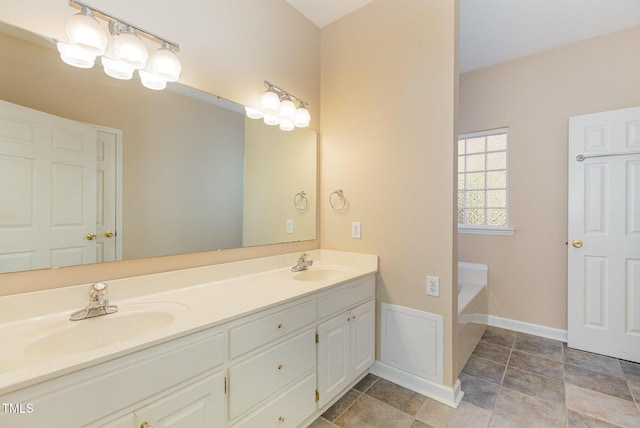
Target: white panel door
604 233
47 190
106 230
362 338
333 357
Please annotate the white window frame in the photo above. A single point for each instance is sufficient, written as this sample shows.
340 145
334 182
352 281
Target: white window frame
487 229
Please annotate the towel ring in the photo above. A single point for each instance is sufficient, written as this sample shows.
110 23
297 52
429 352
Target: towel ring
300 201
340 200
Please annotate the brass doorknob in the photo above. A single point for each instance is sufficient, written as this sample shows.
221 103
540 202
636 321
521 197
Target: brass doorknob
108 234
91 236
577 243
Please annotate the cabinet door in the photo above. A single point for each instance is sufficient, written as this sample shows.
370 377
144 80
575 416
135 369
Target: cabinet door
197 405
362 338
333 357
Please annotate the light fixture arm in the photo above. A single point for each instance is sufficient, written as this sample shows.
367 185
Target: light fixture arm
118 26
284 94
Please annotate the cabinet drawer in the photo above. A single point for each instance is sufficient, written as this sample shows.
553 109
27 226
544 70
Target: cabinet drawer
257 378
287 410
116 384
336 301
254 334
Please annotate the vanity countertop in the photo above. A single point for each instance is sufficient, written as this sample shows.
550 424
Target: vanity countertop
196 299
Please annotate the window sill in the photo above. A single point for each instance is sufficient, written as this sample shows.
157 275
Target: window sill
485 231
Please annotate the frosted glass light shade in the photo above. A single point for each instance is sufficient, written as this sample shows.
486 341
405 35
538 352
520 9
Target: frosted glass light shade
253 113
287 125
152 81
85 31
287 110
302 118
117 69
165 64
270 102
75 55
271 119
129 48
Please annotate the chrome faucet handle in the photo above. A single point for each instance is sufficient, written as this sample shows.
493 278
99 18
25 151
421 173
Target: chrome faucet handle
98 293
302 258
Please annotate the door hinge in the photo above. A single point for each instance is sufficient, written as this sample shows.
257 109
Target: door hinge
317 396
317 338
225 384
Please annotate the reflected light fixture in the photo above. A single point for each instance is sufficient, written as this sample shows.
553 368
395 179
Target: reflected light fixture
121 54
277 107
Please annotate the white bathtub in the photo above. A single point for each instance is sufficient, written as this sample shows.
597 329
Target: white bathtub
472 308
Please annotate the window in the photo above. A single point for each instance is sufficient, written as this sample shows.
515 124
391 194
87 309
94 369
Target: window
482 182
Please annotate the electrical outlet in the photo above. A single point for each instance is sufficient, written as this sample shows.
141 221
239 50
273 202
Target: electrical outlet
356 230
433 286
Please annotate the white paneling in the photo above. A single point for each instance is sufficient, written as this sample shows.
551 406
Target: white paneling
67 187
412 341
633 296
16 262
633 134
67 142
596 138
633 198
16 191
596 188
16 130
100 197
67 256
595 293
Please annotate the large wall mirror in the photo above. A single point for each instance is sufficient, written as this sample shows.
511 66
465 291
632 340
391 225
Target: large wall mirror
98 169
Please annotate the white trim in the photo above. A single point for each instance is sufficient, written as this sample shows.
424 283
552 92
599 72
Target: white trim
451 396
484 133
529 328
466 230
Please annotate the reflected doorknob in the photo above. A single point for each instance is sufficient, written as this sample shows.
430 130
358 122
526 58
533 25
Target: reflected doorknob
577 243
108 234
91 236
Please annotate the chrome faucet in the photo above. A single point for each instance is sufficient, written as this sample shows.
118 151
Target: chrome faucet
303 263
98 303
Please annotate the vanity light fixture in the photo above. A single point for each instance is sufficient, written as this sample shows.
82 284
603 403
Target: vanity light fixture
277 107
120 55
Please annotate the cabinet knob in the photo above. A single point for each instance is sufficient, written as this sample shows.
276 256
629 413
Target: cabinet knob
280 368
145 424
282 328
281 419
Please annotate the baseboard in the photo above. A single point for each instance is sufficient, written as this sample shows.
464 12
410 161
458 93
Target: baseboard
443 394
529 328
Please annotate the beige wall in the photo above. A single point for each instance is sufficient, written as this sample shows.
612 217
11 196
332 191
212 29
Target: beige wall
388 98
534 97
278 165
228 47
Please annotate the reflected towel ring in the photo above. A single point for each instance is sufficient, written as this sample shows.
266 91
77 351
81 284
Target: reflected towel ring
341 200
300 201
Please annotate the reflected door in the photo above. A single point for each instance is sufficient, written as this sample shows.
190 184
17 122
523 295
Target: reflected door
604 233
47 190
106 231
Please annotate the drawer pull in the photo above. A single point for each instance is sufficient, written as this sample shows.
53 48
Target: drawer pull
282 328
281 419
280 368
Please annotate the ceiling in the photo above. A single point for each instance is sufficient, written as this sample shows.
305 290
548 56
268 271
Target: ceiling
494 31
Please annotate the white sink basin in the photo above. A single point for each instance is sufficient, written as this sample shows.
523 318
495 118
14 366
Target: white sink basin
318 275
70 337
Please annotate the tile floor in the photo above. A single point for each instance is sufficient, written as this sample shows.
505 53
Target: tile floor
511 380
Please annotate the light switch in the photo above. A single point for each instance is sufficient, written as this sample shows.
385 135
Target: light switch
289 226
356 230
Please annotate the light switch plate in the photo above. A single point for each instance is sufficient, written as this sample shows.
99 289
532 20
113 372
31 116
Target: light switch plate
356 230
289 226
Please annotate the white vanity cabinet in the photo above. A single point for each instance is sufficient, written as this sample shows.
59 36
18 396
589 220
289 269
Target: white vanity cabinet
273 354
273 367
346 338
185 374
